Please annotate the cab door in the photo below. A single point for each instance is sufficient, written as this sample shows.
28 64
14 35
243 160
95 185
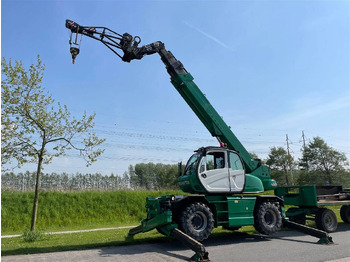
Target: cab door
214 172
236 173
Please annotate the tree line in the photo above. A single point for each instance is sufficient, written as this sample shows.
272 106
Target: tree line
143 176
64 182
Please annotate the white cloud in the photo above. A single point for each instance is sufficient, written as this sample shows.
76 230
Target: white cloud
206 35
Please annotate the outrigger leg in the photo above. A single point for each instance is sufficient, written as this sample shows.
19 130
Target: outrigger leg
323 236
201 253
171 230
197 247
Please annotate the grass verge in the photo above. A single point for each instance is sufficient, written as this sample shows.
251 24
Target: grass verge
87 240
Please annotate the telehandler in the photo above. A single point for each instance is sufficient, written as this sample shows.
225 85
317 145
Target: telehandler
223 181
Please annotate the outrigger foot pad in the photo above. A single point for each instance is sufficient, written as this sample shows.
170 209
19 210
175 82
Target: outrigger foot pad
325 241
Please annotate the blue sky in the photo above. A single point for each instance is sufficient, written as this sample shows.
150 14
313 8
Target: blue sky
270 68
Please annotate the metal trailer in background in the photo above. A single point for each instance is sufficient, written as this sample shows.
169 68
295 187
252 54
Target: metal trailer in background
310 202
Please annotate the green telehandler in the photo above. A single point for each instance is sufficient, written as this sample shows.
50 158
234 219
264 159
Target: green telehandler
223 181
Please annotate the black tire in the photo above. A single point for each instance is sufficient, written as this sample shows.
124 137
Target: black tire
326 220
345 213
197 221
268 218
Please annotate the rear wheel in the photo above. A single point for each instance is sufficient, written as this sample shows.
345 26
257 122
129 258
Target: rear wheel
197 221
345 213
268 218
326 220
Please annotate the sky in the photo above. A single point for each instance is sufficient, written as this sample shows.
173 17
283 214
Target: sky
270 69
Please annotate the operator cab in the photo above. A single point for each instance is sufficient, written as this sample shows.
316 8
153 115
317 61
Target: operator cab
216 169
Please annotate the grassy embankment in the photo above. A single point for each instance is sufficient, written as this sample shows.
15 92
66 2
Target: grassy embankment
60 211
81 210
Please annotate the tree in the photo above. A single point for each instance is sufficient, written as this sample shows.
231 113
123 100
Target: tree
32 122
324 165
280 162
152 176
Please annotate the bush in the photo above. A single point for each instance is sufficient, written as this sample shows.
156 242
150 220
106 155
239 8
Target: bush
32 236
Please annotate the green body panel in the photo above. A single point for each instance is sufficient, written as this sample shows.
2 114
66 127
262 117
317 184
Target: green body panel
191 184
241 211
263 173
233 211
253 184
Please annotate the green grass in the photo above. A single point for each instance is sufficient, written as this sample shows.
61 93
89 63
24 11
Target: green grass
76 241
81 241
60 211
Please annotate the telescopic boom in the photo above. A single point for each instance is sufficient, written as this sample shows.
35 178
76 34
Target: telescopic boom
182 81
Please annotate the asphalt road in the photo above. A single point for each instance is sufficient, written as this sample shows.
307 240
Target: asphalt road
284 246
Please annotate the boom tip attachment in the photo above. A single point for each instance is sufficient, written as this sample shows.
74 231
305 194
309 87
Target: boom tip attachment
74 52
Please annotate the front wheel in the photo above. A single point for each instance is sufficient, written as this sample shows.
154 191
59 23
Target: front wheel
268 218
197 221
326 220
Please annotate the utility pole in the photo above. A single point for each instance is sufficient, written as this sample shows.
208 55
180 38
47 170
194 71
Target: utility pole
304 146
289 162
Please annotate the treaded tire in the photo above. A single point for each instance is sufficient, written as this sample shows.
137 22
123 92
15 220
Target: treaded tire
345 213
326 220
268 219
197 221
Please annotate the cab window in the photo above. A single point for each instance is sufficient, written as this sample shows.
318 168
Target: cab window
235 162
192 164
215 160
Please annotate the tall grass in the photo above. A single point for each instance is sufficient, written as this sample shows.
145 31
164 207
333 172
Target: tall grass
74 210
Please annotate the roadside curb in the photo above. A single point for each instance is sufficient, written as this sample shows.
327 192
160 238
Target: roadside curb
74 231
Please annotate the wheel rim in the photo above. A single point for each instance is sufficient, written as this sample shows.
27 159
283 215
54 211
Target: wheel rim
270 218
329 221
199 221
